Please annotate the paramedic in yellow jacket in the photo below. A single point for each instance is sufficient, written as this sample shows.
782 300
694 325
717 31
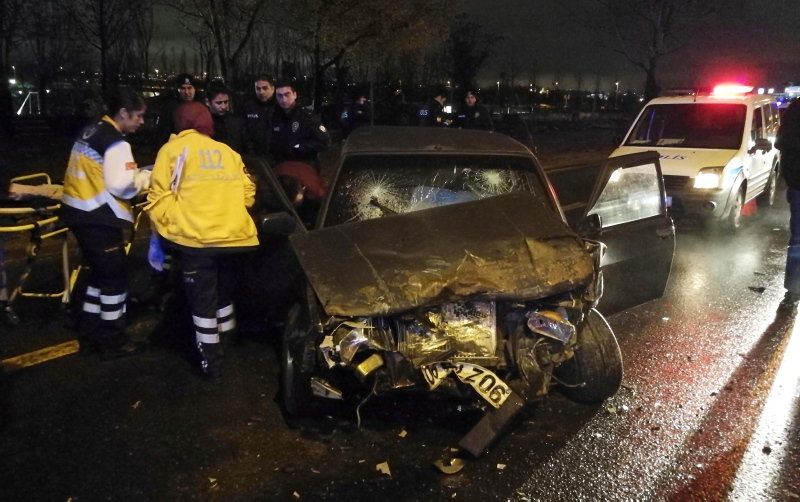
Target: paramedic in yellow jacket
100 180
198 203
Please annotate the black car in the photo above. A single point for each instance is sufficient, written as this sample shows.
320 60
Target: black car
442 261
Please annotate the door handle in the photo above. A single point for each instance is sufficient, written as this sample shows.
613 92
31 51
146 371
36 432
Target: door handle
664 233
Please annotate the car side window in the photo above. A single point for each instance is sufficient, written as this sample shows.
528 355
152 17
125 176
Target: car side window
757 131
776 117
631 194
769 124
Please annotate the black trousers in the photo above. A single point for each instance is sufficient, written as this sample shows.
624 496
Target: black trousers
102 318
209 281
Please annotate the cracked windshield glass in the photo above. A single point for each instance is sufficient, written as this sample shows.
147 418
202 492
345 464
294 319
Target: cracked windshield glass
372 186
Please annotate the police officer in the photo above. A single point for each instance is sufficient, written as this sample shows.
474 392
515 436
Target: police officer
198 203
101 179
472 115
356 115
186 90
432 114
258 117
297 134
228 126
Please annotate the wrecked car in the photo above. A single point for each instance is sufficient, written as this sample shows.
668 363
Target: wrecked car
442 262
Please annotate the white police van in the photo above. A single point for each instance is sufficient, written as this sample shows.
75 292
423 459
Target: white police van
716 150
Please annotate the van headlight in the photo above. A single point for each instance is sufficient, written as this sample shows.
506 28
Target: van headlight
709 177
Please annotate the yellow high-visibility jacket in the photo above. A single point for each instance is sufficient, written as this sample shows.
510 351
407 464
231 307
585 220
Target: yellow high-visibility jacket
202 204
101 178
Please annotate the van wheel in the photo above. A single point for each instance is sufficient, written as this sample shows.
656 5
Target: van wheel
734 220
767 198
595 372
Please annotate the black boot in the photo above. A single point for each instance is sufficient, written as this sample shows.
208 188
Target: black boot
211 361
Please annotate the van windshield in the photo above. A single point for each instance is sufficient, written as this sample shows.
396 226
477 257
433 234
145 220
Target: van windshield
690 125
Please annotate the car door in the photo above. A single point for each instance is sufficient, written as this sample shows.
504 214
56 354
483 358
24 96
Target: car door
756 164
628 208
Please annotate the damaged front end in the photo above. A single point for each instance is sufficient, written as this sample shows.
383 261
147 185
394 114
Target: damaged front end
504 353
470 300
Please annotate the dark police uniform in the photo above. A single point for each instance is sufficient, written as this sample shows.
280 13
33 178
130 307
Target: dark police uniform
432 114
355 116
474 117
258 126
230 129
298 135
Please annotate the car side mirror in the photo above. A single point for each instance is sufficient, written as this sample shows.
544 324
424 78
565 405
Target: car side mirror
590 225
276 224
762 144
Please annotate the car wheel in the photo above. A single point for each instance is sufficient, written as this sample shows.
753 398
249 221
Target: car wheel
595 372
734 220
767 198
298 399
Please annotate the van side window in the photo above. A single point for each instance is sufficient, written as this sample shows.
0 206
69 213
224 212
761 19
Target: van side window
768 121
757 131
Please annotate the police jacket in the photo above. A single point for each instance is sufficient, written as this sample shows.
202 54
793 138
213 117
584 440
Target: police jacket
101 178
200 194
258 126
297 135
474 117
432 114
788 142
229 129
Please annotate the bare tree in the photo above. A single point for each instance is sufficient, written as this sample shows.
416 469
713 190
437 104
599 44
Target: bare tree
103 23
333 29
645 31
467 49
13 15
230 24
142 34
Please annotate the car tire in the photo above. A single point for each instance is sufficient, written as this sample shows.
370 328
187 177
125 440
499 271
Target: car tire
734 220
595 372
297 397
767 198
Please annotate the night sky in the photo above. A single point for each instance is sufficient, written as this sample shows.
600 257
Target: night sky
753 41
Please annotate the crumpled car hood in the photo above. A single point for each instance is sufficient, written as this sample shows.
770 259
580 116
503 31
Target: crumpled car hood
508 247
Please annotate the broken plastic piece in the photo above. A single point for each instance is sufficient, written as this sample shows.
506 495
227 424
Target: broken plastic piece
403 433
491 425
369 365
500 467
323 389
550 324
450 465
383 467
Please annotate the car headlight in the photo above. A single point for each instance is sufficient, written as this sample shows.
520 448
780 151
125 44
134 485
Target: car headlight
710 177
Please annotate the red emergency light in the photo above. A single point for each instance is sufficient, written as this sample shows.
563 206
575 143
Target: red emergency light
732 89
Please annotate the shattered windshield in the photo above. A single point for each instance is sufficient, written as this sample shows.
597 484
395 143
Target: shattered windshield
690 125
372 186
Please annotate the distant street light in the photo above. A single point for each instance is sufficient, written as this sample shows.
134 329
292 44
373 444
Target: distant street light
498 87
616 94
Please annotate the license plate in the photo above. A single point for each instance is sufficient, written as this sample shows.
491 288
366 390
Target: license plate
487 384
669 201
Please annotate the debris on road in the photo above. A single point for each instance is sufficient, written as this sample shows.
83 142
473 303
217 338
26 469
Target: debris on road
757 289
766 449
450 465
403 433
296 495
136 405
500 467
383 467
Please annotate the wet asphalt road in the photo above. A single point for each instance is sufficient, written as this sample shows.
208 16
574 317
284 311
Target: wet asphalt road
708 411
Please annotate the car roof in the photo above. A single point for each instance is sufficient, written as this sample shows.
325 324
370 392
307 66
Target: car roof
388 139
745 99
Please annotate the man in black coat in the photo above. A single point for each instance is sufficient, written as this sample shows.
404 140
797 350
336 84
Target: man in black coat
472 115
788 142
258 117
228 126
185 90
432 114
297 134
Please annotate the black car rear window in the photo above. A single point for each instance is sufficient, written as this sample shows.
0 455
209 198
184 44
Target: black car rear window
372 186
690 125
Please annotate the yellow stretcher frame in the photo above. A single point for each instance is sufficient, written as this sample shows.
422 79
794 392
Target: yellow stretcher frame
40 230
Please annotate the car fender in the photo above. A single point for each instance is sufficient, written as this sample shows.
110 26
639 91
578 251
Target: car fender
737 185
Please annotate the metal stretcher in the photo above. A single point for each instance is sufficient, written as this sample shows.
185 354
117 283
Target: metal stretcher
36 217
